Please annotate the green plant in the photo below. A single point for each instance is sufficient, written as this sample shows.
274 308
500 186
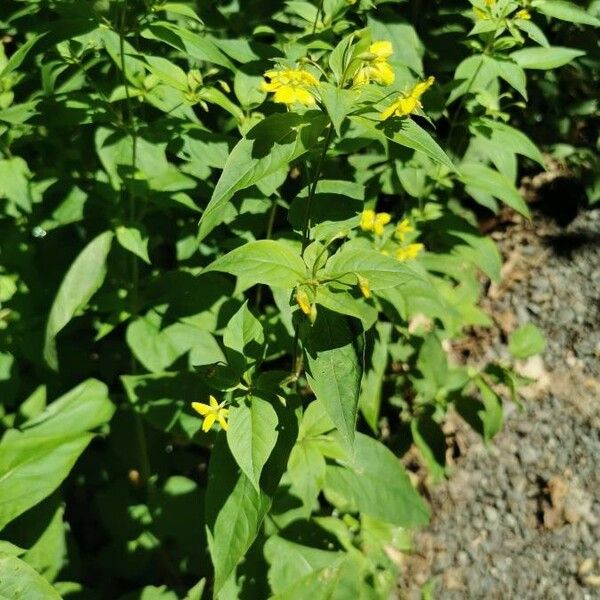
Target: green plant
265 212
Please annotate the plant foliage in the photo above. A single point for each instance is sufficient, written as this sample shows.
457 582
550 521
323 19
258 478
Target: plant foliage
238 241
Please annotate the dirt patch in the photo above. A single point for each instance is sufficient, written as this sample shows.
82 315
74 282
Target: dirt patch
521 519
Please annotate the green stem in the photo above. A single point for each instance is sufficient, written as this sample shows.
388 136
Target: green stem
313 188
319 9
463 100
268 235
296 356
145 469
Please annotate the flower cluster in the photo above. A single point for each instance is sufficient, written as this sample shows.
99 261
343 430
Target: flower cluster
375 222
299 86
375 66
371 221
291 86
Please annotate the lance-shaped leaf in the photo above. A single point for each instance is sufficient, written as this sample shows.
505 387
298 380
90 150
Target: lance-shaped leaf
235 509
252 435
83 278
19 580
375 483
479 178
35 461
405 132
273 143
380 270
270 262
334 368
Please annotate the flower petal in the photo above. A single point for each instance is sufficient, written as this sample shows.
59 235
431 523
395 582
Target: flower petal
304 96
382 49
222 421
390 110
201 408
209 421
213 402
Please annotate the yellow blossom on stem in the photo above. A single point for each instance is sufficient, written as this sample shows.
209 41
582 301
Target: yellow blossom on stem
363 285
303 302
408 103
212 412
523 14
291 86
402 229
409 252
375 222
375 67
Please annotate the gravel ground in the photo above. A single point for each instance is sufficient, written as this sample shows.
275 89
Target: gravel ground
522 519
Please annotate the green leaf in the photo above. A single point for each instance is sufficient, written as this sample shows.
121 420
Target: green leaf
273 143
14 182
380 270
370 393
192 44
19 580
432 362
81 281
338 103
567 11
158 347
80 410
334 369
290 564
374 482
132 239
179 9
252 434
235 510
491 415
49 553
504 137
408 48
35 461
244 338
344 303
482 178
526 341
407 133
431 442
15 61
545 58
270 262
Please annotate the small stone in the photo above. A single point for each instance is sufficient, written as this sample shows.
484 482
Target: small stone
491 514
528 455
586 566
591 580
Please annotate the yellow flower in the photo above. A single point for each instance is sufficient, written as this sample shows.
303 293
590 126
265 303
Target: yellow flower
409 252
375 222
408 103
402 229
290 86
375 67
363 284
303 302
212 412
523 14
